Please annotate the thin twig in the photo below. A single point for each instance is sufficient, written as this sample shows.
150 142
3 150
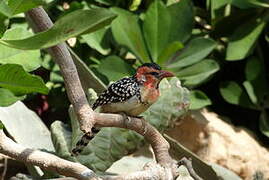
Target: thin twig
188 164
5 169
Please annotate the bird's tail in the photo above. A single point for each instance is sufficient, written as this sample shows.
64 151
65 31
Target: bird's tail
84 141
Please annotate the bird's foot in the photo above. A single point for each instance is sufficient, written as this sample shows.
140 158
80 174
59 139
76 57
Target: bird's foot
144 124
126 119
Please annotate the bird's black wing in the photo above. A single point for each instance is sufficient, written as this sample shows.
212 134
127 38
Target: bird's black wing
119 91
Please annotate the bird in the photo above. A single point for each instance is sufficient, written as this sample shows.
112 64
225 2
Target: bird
129 96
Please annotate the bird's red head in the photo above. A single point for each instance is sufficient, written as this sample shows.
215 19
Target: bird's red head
150 74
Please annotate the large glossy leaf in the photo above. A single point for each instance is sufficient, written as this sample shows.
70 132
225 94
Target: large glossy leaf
98 40
156 28
28 59
7 97
173 102
14 78
196 50
127 32
234 94
65 28
26 127
182 20
199 99
115 68
242 41
198 73
20 6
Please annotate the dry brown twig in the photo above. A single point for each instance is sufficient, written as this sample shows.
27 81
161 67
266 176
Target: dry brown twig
165 168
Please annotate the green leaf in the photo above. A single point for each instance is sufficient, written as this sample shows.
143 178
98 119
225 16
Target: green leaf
251 92
4 8
99 41
256 77
217 8
25 127
264 123
66 27
169 51
14 78
7 97
198 73
61 138
134 5
234 94
126 31
250 3
195 51
242 41
20 6
87 77
156 28
115 68
167 109
199 99
28 59
182 20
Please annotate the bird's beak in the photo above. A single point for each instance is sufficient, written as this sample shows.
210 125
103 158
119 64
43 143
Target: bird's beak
164 74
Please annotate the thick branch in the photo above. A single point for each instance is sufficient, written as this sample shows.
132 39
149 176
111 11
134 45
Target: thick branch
40 21
51 162
159 144
44 160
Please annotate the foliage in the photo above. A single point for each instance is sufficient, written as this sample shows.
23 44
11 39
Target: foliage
217 49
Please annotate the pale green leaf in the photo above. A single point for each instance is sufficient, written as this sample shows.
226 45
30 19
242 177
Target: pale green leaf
28 59
26 127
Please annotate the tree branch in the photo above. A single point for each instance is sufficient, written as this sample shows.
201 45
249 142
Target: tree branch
40 21
44 160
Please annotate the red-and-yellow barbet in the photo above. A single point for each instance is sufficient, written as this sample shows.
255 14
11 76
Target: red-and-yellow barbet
130 95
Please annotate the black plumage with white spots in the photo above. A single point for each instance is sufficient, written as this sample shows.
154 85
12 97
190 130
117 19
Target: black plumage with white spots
119 91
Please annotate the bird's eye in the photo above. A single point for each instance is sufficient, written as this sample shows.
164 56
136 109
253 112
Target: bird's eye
154 73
